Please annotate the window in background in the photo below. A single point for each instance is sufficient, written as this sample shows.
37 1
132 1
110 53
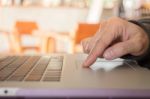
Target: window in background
6 2
134 9
95 11
47 3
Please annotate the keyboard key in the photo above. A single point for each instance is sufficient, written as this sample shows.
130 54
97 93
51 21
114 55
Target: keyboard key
34 78
53 73
51 78
56 58
55 66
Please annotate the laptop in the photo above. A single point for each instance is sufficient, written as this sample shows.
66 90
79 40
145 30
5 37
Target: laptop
62 76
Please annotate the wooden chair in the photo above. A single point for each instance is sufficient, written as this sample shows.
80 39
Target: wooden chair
25 28
84 30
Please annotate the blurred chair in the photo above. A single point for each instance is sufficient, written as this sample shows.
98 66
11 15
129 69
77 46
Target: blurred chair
84 30
50 45
25 41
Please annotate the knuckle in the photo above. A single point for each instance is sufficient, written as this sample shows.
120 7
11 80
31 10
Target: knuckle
102 42
88 49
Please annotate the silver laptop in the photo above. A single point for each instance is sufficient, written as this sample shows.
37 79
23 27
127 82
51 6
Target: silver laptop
63 76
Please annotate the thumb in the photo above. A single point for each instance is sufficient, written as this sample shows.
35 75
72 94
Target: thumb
118 50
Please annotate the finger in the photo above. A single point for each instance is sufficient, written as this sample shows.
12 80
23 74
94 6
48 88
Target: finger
99 48
84 44
97 35
118 50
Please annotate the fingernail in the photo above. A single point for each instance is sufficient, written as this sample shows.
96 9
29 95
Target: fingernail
84 64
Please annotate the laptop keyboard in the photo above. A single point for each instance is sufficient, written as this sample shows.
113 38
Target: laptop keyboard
31 68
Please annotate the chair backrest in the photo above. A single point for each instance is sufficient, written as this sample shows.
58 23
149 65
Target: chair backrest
25 27
85 30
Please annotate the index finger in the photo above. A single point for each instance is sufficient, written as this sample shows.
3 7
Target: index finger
99 48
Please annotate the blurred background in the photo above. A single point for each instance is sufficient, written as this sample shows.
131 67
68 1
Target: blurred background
58 26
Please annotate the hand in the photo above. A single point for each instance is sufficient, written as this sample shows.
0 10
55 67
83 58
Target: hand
115 38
